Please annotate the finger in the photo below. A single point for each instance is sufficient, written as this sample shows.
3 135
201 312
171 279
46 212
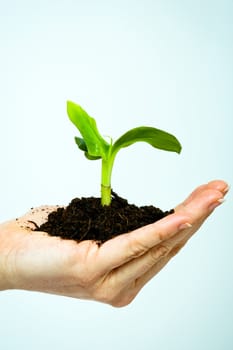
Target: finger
200 205
126 247
144 279
134 269
198 209
217 185
201 200
128 293
201 210
150 274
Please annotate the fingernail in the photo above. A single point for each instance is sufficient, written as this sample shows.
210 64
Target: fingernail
185 225
216 204
221 200
226 189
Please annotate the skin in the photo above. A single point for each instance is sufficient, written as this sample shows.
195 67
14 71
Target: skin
112 273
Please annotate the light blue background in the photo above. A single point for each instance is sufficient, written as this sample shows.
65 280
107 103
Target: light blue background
162 63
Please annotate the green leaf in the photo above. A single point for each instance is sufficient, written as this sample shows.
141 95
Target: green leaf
96 146
155 137
81 144
83 147
87 155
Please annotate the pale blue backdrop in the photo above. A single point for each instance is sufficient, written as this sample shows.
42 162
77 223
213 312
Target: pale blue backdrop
162 63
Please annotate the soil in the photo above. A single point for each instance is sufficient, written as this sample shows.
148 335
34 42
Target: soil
87 219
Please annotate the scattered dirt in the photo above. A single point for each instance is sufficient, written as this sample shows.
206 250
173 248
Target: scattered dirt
86 218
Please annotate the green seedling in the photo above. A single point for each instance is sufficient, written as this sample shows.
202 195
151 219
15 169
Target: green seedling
96 147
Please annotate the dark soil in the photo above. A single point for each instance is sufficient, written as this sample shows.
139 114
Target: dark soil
86 218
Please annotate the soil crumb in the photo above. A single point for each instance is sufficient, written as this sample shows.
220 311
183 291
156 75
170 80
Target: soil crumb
87 219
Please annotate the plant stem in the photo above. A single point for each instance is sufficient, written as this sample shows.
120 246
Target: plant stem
106 181
105 195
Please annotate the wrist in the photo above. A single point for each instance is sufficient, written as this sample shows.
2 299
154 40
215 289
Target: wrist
4 282
4 285
4 259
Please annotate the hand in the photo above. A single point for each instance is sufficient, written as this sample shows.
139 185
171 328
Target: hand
112 273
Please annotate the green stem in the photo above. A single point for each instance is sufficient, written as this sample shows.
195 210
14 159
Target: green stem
106 180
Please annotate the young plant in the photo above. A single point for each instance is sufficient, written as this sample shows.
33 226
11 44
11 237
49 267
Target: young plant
96 147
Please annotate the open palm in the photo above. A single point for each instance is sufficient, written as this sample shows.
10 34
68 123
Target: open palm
114 272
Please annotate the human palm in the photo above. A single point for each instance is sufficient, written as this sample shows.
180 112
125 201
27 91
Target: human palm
113 272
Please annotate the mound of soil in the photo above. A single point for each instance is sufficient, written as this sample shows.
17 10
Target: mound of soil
86 218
